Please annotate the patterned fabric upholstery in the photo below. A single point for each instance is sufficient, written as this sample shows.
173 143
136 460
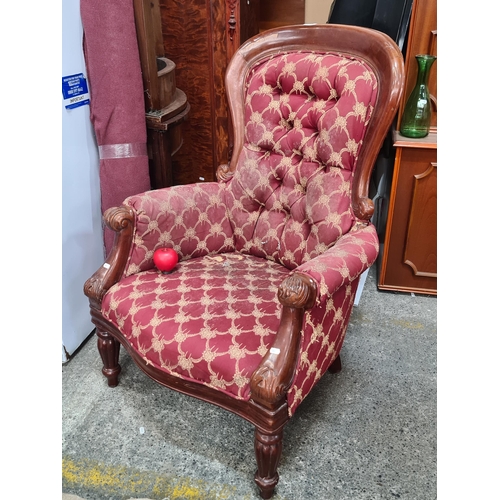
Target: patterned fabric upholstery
306 115
337 273
191 219
212 324
287 208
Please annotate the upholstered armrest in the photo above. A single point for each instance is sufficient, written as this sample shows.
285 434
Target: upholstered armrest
351 255
308 286
180 217
325 324
192 219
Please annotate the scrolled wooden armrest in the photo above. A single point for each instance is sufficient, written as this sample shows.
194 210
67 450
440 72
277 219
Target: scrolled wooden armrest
273 377
363 207
297 291
121 220
224 173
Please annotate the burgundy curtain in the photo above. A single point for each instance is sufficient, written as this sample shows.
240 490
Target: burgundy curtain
117 109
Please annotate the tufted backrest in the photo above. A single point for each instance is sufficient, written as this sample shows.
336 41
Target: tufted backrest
306 114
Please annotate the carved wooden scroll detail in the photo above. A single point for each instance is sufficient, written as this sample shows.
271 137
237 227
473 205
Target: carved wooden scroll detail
267 387
232 19
224 173
297 290
363 207
121 220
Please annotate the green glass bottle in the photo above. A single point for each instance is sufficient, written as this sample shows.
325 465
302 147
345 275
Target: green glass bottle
416 118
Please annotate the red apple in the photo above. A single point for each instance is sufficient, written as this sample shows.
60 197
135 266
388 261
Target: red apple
165 259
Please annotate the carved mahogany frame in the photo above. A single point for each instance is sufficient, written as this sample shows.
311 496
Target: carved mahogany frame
375 48
267 408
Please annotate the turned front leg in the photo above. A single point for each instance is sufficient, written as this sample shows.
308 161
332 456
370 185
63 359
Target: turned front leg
109 349
268 449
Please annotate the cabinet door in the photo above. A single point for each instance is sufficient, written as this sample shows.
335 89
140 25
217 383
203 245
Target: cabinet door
409 255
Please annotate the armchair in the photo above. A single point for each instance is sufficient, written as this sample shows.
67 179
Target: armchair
270 255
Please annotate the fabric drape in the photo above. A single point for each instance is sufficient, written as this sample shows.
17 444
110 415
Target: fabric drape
117 109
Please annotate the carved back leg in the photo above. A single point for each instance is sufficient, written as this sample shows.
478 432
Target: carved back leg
109 349
268 449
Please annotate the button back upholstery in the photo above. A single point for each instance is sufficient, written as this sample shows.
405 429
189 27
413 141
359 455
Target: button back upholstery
270 255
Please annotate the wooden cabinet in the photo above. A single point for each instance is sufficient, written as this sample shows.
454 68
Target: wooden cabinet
282 13
201 36
408 256
409 252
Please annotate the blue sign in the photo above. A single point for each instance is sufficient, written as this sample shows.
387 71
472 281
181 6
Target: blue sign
75 91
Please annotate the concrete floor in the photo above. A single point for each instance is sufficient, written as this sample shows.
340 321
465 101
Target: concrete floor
367 433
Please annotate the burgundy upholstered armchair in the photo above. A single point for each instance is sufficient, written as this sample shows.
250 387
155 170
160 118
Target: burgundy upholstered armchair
270 255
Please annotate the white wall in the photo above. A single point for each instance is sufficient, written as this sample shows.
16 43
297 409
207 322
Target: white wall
317 11
82 242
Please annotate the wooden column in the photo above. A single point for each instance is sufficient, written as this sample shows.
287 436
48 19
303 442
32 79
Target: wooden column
166 105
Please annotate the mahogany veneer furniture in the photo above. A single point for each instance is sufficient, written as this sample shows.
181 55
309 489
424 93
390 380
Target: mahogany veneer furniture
201 36
167 107
408 259
280 13
256 311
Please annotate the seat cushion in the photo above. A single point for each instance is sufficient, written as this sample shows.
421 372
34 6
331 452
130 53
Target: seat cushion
210 321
